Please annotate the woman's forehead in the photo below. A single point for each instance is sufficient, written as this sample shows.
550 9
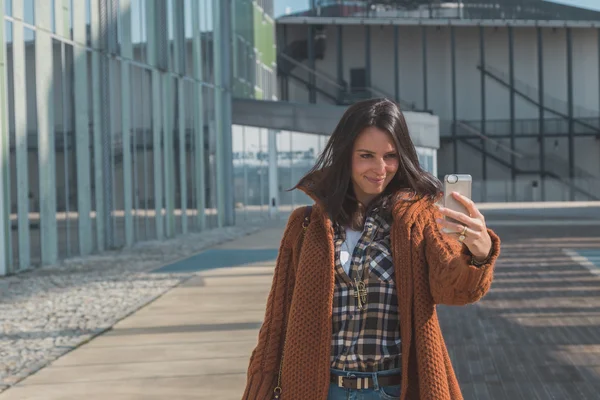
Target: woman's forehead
373 138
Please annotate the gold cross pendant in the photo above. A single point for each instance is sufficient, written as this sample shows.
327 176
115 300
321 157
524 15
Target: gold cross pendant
360 292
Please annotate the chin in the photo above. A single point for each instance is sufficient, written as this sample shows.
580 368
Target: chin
376 191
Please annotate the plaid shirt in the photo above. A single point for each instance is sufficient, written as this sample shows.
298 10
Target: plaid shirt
366 340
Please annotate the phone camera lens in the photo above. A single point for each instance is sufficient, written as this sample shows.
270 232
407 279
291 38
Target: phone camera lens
452 179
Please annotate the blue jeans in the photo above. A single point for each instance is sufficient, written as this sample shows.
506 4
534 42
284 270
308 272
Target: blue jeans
375 393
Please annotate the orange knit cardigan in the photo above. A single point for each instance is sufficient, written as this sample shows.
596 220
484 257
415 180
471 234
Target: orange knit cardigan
430 269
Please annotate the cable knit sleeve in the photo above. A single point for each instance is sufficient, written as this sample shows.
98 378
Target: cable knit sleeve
452 279
264 361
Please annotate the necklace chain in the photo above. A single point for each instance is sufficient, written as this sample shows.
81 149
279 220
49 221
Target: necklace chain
360 288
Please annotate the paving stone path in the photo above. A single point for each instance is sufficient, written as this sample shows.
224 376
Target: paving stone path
47 312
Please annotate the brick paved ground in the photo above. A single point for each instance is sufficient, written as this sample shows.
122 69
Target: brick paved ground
536 335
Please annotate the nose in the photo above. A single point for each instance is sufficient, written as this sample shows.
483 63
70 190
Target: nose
380 167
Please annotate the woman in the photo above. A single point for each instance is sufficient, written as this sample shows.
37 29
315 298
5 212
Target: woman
352 309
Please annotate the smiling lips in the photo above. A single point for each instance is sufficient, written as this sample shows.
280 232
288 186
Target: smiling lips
376 181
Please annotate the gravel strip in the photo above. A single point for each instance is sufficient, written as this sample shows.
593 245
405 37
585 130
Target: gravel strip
49 311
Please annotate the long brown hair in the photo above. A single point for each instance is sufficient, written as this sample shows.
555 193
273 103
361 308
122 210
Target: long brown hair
334 187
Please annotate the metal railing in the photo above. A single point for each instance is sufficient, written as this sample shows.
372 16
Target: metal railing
330 87
324 84
556 168
532 92
526 127
462 126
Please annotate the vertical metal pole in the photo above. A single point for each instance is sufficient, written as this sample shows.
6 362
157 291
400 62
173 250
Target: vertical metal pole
292 183
44 81
285 81
312 94
511 60
156 107
67 89
199 119
137 123
540 48
138 113
340 61
368 57
483 114
170 87
157 152
228 116
179 63
260 169
222 68
245 155
182 156
82 130
145 79
219 189
396 63
168 162
236 25
21 127
5 224
454 105
190 145
106 129
273 181
97 60
424 40
66 125
571 116
64 30
126 53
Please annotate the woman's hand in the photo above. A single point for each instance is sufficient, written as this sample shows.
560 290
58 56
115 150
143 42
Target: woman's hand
471 229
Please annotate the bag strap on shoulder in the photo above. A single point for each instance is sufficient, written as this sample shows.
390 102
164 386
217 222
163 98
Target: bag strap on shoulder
305 222
307 213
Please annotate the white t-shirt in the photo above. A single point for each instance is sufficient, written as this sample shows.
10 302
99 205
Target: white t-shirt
352 238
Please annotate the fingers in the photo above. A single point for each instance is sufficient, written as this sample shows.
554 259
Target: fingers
475 236
451 227
469 204
458 216
475 224
471 236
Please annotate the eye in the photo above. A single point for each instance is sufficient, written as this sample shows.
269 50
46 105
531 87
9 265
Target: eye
391 155
365 155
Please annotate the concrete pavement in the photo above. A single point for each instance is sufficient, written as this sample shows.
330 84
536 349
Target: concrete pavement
192 343
536 335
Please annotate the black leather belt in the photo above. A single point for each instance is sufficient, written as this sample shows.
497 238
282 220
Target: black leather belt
353 382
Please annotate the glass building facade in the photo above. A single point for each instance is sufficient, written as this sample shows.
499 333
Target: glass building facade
114 119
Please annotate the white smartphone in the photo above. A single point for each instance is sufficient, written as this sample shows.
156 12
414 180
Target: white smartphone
460 183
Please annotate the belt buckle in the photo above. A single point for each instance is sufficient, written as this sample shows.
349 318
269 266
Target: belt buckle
360 384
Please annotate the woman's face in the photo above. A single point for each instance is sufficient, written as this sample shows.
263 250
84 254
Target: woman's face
374 163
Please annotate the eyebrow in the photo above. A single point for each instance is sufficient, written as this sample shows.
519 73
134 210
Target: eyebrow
372 152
